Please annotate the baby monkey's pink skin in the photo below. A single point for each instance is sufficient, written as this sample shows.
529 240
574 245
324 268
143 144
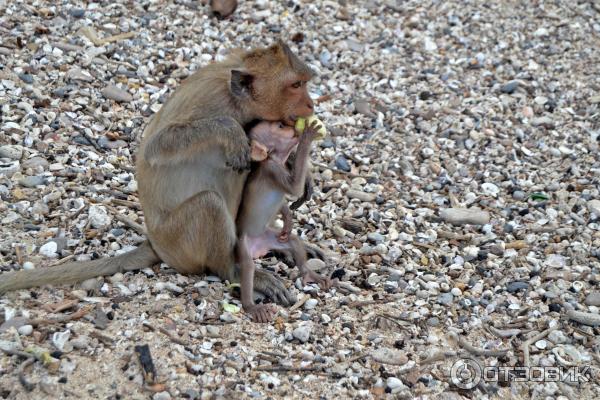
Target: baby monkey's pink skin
263 198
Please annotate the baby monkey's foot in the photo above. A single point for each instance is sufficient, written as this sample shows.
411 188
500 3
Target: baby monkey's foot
284 236
310 276
261 312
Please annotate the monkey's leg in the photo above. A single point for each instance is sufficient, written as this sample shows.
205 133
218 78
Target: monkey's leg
186 249
286 255
295 246
258 312
180 142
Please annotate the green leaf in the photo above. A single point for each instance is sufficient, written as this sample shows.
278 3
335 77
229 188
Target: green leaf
538 196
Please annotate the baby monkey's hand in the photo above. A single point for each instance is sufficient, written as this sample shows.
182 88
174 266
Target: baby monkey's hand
312 131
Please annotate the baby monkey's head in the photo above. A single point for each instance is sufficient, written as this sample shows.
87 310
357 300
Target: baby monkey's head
277 137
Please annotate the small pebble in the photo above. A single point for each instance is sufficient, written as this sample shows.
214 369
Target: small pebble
310 304
161 396
302 333
342 163
28 265
510 87
114 93
25 330
49 250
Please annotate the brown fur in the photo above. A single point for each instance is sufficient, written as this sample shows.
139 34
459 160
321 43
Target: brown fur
192 165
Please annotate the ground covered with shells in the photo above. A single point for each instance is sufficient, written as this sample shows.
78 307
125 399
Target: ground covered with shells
432 107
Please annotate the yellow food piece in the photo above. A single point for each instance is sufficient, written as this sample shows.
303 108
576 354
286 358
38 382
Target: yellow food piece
230 308
302 122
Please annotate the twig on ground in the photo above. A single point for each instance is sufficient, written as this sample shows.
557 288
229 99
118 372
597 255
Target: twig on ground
63 318
285 368
126 220
169 334
529 342
22 379
474 350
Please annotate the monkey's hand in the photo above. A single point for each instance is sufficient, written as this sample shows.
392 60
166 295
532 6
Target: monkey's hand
261 312
258 151
312 131
239 155
310 276
288 223
284 235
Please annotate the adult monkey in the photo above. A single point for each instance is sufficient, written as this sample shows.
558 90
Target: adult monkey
191 168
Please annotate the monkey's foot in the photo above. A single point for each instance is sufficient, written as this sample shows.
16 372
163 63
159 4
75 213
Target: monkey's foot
310 276
284 236
273 288
314 252
261 312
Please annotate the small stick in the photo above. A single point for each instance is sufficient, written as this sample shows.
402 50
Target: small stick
64 259
529 342
170 335
127 221
453 236
356 358
504 333
348 287
92 141
284 368
91 34
22 379
62 306
585 318
19 353
300 303
273 354
355 304
214 322
325 166
127 203
103 338
424 245
477 351
437 356
393 319
63 318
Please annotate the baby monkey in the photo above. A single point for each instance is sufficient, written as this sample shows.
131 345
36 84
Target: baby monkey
264 197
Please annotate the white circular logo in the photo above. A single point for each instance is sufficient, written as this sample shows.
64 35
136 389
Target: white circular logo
466 373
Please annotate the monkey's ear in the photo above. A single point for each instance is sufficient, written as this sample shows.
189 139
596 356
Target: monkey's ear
241 83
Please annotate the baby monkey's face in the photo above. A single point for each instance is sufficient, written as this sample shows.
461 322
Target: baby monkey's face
280 130
274 135
278 138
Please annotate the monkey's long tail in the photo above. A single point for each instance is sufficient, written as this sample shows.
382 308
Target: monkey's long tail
79 271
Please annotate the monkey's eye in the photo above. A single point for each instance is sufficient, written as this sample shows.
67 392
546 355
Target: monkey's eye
281 126
297 84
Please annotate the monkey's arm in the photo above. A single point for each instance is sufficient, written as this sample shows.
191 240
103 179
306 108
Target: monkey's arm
308 185
286 216
182 141
290 181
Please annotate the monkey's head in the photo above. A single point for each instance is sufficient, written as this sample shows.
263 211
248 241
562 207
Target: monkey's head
272 84
279 139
